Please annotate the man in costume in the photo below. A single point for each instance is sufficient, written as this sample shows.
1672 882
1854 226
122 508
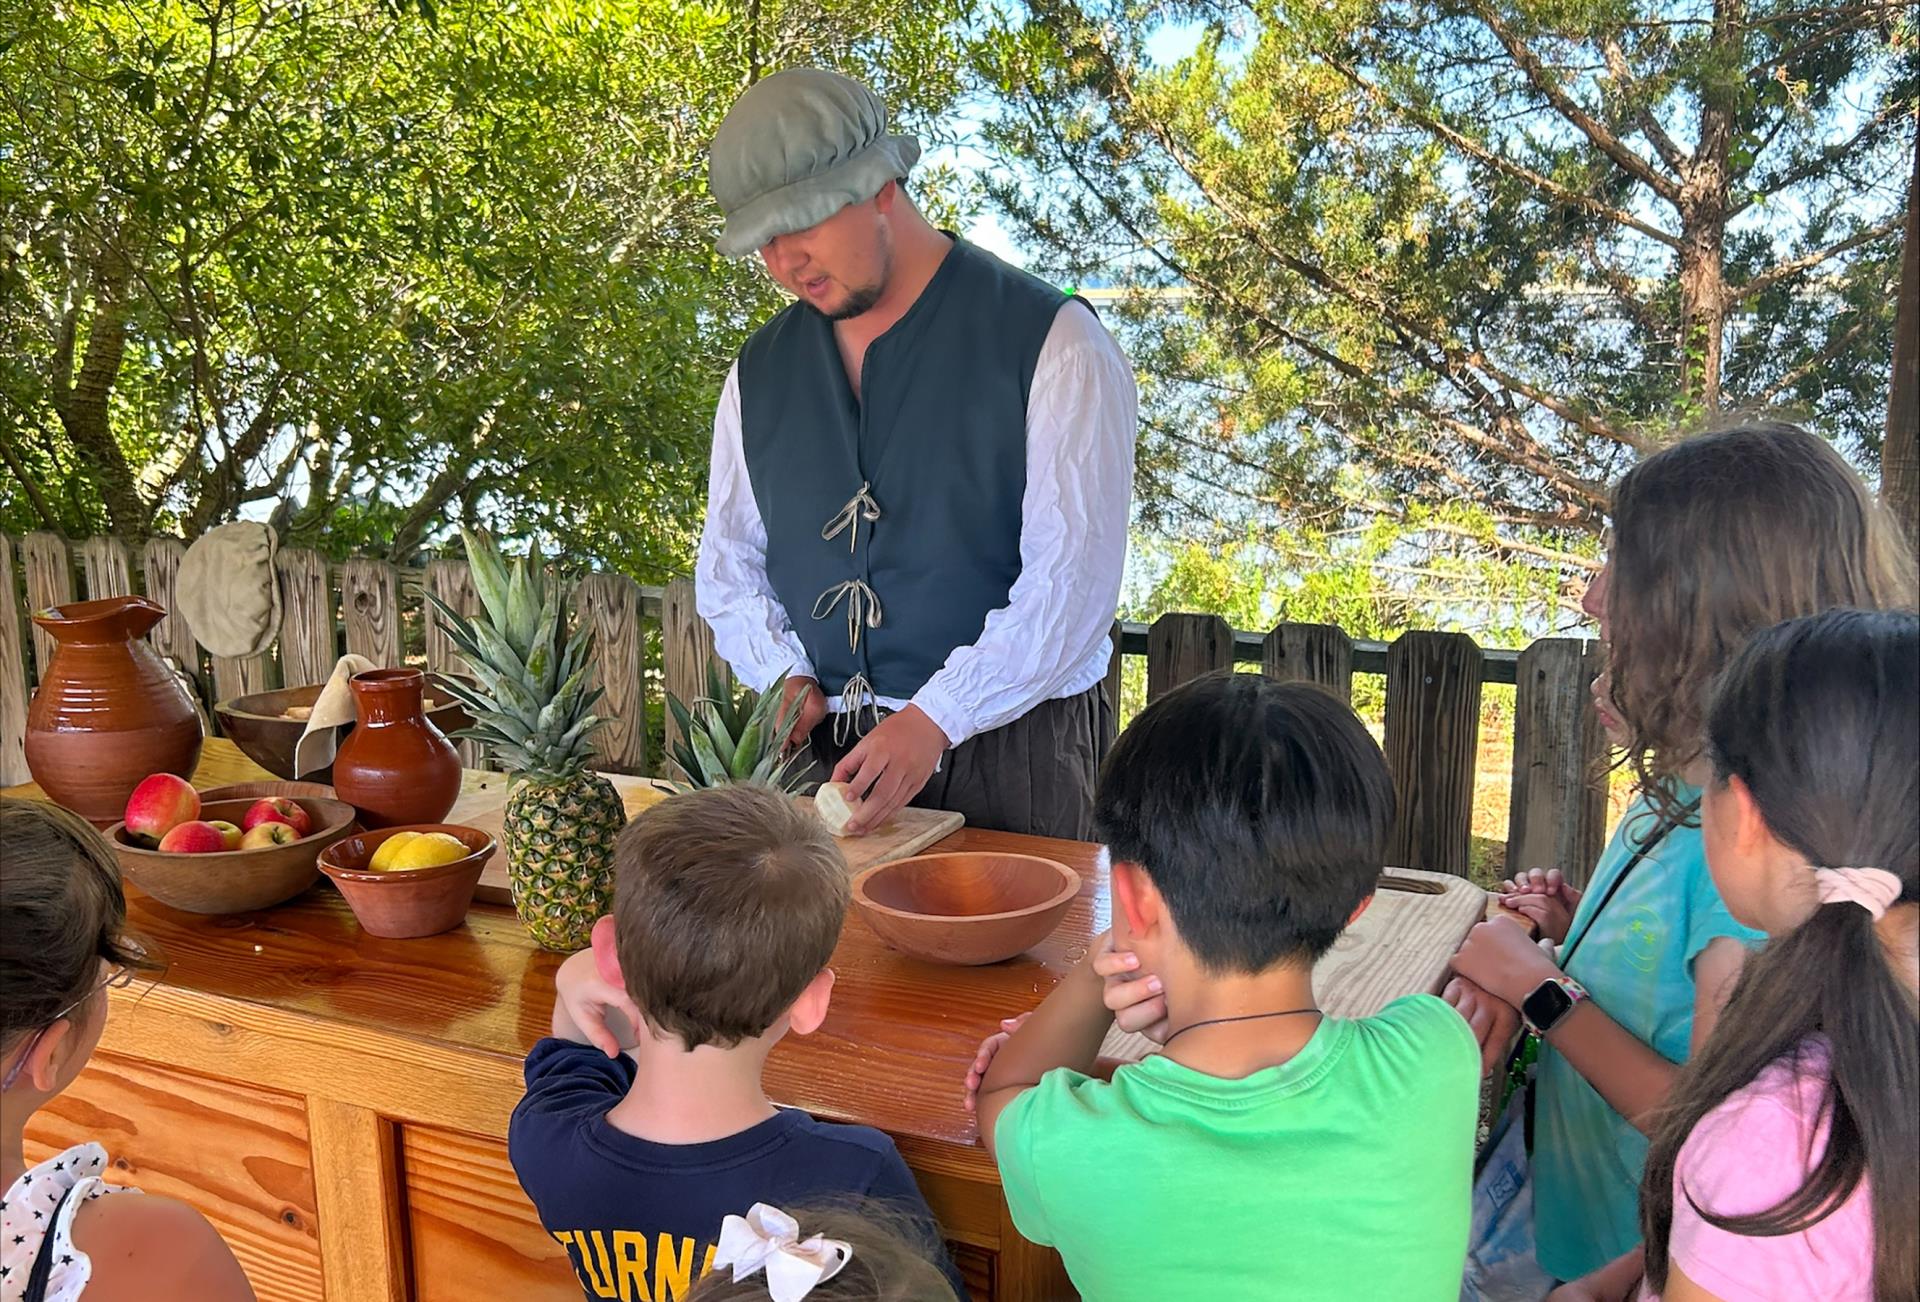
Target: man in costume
922 475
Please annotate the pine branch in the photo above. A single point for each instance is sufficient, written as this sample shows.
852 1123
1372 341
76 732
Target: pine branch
1788 270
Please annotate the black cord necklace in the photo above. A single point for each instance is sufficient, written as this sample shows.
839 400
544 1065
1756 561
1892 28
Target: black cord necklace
1243 1017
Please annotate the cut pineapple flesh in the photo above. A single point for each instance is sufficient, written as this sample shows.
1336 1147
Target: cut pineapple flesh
834 807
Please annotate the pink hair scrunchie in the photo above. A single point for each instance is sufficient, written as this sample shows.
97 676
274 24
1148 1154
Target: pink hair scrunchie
1873 889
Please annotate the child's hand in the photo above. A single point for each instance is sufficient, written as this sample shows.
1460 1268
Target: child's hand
1501 959
1135 1000
983 1056
584 1003
1544 899
1494 1022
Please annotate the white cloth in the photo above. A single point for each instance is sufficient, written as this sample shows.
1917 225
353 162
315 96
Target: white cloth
1051 638
27 1218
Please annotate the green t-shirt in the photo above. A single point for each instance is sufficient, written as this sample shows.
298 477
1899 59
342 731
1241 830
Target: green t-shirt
1343 1173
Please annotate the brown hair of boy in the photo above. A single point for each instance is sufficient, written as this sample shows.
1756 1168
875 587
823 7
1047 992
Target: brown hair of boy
1715 538
893 1261
61 912
727 902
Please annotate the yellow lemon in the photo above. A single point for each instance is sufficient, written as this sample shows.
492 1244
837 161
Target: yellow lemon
390 850
430 850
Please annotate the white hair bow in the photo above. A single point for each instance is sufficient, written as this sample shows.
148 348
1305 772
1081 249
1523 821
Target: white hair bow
768 1239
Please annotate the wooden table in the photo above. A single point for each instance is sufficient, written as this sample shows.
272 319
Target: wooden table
337 1104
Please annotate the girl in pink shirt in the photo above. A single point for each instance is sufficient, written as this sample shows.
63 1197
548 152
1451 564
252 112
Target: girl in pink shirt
1784 1168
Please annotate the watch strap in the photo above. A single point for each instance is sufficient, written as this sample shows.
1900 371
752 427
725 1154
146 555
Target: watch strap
1573 990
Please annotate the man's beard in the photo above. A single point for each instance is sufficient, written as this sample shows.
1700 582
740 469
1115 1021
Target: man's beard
859 301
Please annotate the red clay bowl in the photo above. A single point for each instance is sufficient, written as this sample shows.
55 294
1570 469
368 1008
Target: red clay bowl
234 881
967 908
403 903
255 724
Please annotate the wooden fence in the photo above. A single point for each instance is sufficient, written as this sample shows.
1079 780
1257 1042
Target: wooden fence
652 640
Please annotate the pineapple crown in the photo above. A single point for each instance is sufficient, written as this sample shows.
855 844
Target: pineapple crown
724 739
532 707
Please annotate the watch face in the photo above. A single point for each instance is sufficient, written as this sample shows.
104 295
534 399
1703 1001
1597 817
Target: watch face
1547 1004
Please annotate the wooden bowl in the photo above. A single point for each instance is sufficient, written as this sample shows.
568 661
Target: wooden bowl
404 903
234 881
255 724
968 908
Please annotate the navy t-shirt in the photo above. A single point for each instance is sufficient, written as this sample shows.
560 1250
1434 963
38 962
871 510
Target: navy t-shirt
639 1220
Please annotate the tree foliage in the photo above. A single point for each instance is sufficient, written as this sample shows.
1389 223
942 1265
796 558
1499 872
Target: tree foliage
1404 255
384 267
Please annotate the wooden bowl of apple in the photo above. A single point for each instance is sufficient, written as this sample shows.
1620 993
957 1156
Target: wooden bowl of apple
224 856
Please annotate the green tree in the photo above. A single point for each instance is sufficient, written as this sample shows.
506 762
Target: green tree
380 267
1396 256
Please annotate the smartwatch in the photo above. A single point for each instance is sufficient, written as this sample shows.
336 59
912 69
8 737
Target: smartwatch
1550 1003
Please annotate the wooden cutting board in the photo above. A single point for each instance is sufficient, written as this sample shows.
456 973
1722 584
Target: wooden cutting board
483 803
1400 946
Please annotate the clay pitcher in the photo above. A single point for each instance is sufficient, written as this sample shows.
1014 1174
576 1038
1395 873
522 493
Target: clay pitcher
395 767
108 711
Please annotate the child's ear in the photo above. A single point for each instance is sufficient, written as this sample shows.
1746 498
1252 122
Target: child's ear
48 1056
810 1009
1751 835
1359 909
606 954
1137 906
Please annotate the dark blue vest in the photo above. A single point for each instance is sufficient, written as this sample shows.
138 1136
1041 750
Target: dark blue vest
939 434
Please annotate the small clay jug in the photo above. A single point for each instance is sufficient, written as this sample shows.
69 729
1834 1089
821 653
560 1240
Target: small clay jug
395 767
108 712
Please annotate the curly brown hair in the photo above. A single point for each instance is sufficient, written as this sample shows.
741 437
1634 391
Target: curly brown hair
1715 538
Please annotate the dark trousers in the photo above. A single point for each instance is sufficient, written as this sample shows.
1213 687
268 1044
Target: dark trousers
1034 776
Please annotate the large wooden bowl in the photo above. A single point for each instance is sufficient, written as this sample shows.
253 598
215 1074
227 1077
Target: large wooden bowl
234 881
967 908
403 903
255 724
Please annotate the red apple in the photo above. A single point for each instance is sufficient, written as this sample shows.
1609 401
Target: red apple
193 838
262 835
158 805
228 832
276 810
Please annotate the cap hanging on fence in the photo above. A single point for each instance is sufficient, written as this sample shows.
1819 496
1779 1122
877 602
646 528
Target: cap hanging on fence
228 590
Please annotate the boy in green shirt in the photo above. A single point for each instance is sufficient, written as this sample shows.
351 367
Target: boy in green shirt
1268 1152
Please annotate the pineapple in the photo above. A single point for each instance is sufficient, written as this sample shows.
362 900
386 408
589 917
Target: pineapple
533 712
723 740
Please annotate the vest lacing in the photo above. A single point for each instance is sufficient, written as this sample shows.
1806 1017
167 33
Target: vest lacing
860 710
863 608
860 506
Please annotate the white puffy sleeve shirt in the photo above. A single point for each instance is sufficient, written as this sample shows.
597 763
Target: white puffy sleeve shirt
1051 638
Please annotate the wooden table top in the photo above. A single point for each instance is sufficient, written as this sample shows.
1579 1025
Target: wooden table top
893 1053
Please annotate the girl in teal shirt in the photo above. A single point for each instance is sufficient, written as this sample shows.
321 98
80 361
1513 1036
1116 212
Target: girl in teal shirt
1714 538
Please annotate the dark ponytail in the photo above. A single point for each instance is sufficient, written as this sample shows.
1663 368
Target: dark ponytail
1820 718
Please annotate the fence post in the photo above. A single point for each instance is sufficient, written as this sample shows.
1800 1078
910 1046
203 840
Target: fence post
370 608
107 568
308 645
160 563
686 647
452 582
49 571
1558 818
1116 679
610 604
13 676
1311 653
1181 647
1433 731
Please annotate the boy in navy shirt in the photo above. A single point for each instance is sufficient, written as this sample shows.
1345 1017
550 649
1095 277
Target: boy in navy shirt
644 1122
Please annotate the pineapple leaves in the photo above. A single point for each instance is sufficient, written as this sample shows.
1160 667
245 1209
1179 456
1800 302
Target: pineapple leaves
726 737
489 574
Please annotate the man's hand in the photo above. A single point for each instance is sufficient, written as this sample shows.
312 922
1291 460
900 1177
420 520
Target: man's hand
890 766
588 1009
1544 899
1499 957
1494 1022
812 707
983 1056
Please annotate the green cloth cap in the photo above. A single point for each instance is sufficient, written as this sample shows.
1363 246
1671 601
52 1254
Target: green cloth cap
797 148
